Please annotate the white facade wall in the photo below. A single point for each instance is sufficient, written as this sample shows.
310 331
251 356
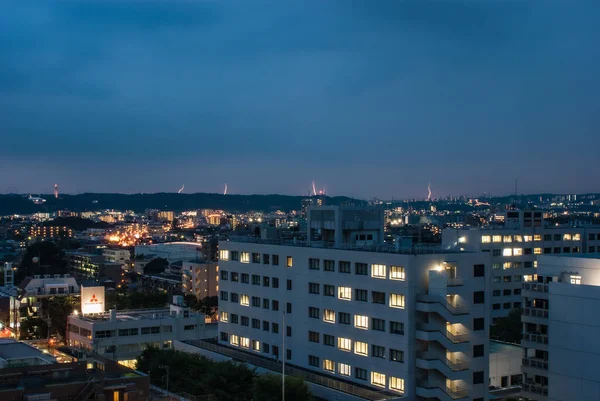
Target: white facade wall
48 285
422 277
116 255
505 362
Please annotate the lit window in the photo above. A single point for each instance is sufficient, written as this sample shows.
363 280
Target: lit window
244 300
535 264
256 345
527 277
508 238
345 344
378 379
245 342
528 238
396 384
245 257
518 238
397 301
517 251
344 369
234 340
289 261
328 365
329 316
397 273
537 237
361 348
507 252
567 237
378 271
575 279
576 237
506 265
361 322
345 293
537 251
486 239
224 254
497 238
224 317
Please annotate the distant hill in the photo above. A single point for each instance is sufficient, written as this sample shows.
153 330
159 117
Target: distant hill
19 204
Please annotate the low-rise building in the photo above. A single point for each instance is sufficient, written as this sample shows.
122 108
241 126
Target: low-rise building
18 354
50 232
116 255
200 279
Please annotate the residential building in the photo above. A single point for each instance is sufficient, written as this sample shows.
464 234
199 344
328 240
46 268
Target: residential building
505 366
514 246
50 232
163 216
200 279
122 336
561 329
90 266
375 316
171 251
18 354
34 289
116 255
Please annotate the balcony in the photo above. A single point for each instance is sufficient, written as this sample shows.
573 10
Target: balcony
535 290
429 360
535 315
429 389
536 338
429 332
538 364
536 389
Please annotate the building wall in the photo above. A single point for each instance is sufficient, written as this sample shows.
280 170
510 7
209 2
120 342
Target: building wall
505 362
420 272
200 279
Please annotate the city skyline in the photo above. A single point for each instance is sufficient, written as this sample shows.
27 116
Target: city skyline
369 99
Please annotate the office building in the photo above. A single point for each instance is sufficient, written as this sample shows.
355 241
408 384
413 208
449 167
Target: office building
116 255
381 318
90 266
515 241
561 329
200 279
122 336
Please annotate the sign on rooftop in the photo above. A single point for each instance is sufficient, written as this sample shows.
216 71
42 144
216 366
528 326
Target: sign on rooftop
92 300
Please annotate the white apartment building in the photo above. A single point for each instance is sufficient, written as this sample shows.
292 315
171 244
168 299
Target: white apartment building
561 330
123 335
116 255
200 279
406 325
515 246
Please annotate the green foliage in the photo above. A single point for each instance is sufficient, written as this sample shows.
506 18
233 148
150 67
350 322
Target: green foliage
509 328
207 305
76 223
136 300
33 328
268 388
58 310
51 261
156 266
227 381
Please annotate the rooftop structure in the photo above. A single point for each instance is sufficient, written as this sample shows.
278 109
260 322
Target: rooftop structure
17 354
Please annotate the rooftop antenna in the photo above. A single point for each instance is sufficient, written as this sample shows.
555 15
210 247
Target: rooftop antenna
225 191
181 189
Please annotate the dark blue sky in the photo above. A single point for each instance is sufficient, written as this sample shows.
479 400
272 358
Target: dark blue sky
368 98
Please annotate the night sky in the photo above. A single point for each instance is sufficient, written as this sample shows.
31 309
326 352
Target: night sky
367 98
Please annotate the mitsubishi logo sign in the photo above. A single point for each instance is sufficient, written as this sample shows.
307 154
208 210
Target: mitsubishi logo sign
92 300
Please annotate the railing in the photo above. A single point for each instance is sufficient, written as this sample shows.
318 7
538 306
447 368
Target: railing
535 363
456 365
455 393
323 380
536 338
535 388
538 287
536 312
454 309
455 282
456 338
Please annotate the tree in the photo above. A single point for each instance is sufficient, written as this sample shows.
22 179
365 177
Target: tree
136 300
268 388
33 328
50 259
156 266
58 310
509 328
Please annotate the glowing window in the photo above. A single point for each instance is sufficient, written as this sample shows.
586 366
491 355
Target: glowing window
576 237
378 271
397 273
378 379
224 317
361 348
344 369
518 238
537 251
527 277
397 301
328 365
224 254
345 293
567 237
361 322
245 257
329 316
290 261
537 237
527 238
244 300
497 238
508 238
396 384
234 340
486 239
575 279
517 251
345 344
256 345
506 265
245 342
507 252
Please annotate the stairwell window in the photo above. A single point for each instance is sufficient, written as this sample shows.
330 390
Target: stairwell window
378 271
397 301
397 273
378 379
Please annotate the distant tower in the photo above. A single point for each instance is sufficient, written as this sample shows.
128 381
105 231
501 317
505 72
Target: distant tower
56 191
429 192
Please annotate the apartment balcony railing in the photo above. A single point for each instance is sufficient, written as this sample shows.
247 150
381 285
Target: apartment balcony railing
538 287
453 337
456 393
535 388
536 312
455 309
535 363
455 365
536 338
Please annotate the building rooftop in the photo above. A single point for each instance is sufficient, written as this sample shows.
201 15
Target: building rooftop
417 249
131 315
499 347
19 350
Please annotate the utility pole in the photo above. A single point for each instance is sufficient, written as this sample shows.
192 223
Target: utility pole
284 355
